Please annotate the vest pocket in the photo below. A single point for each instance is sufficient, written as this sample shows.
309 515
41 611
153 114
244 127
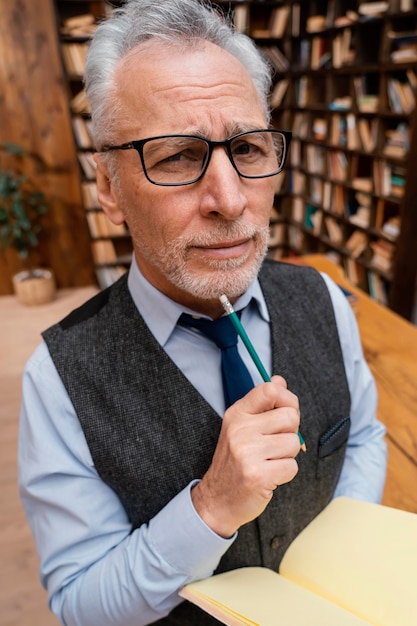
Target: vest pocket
330 442
334 438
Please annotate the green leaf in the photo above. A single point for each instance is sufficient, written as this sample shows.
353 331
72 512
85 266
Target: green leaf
12 148
21 205
5 232
4 216
32 239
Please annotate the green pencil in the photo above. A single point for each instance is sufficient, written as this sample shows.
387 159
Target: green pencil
249 346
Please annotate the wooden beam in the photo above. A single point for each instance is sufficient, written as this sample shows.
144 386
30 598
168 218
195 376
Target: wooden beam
34 114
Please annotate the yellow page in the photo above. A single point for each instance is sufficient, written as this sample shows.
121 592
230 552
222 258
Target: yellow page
362 557
257 596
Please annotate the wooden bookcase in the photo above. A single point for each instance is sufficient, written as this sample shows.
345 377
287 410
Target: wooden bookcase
345 84
111 246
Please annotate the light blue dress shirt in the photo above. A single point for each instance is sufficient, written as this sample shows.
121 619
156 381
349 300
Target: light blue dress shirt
99 573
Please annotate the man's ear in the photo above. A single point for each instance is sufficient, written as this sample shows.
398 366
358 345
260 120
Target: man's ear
106 192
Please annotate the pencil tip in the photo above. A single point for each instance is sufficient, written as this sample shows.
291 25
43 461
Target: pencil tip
303 447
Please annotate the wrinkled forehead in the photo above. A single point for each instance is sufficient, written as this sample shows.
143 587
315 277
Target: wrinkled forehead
159 83
198 62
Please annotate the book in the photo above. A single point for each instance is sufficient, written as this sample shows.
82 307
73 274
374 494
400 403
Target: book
316 23
87 163
377 288
383 253
327 195
404 54
342 50
391 228
353 270
74 55
295 19
80 104
82 132
278 21
276 234
79 26
338 200
334 230
103 251
361 217
89 193
100 226
277 58
400 96
352 133
368 132
278 93
366 101
406 5
319 53
353 564
337 165
356 243
371 9
241 18
397 141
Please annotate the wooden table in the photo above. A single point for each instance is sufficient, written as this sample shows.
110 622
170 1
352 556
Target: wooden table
390 347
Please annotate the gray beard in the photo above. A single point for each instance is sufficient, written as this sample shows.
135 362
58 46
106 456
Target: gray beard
231 276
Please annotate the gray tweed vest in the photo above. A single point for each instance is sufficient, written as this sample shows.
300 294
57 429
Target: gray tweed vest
150 432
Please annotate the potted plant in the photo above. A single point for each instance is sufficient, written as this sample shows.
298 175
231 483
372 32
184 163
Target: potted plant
22 207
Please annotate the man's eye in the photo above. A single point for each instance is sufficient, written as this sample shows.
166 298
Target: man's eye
242 148
245 149
172 157
183 157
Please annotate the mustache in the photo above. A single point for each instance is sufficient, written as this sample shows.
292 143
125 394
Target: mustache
221 233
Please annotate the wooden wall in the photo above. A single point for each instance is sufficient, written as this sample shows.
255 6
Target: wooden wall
34 114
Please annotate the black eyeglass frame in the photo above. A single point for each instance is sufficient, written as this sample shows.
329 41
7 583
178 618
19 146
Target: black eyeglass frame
139 144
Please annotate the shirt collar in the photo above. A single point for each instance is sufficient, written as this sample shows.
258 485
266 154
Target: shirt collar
161 313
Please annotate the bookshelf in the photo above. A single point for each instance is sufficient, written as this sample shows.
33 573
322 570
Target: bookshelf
110 244
345 84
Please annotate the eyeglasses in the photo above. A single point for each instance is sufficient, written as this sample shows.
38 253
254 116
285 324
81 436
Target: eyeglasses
173 160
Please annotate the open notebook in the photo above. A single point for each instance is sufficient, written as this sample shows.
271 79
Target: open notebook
354 564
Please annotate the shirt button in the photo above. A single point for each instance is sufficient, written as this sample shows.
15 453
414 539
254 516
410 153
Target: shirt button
275 542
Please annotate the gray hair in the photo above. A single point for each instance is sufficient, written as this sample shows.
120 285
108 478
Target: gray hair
178 22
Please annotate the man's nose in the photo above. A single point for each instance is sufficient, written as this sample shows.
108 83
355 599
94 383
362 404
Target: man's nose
223 189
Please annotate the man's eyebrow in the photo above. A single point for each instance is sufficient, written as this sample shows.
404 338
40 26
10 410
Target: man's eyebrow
230 131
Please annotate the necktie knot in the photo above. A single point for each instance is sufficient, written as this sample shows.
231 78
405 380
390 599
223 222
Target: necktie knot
235 376
221 331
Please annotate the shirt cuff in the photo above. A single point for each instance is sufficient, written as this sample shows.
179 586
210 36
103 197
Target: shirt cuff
183 539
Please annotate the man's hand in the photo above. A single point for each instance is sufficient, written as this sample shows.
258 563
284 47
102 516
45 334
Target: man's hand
255 454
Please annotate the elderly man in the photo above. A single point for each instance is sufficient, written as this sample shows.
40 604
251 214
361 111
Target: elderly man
137 472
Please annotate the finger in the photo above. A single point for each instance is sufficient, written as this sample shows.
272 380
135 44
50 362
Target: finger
265 397
284 471
274 395
266 476
281 446
280 380
276 421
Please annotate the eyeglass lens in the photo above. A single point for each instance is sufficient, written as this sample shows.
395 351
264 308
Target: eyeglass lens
182 159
